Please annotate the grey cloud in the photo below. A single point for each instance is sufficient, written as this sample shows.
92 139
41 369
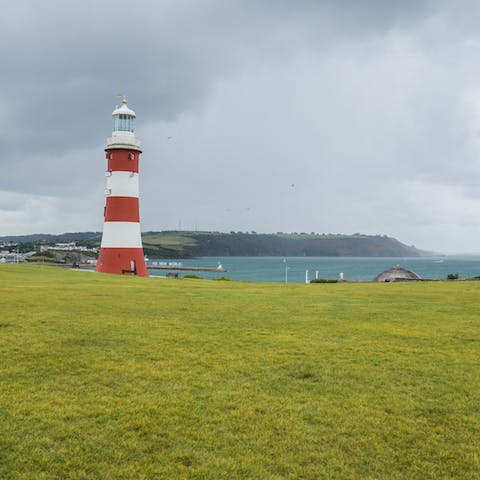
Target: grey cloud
348 100
165 54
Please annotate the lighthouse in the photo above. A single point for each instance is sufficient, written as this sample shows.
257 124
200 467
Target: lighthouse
121 250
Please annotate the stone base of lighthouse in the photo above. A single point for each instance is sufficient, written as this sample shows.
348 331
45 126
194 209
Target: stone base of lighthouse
126 261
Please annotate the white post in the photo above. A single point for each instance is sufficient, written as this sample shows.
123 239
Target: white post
316 275
306 276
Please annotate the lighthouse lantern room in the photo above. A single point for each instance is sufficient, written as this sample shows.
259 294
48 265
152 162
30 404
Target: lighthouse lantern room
121 250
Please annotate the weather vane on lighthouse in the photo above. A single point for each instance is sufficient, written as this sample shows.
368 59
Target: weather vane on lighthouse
121 250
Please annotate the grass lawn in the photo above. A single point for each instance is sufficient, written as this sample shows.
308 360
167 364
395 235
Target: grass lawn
109 377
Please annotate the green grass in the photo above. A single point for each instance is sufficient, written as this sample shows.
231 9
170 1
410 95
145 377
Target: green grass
171 241
109 377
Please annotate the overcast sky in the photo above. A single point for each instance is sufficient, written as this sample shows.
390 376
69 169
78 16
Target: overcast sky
268 115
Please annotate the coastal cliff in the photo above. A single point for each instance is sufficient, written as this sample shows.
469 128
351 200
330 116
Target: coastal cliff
189 244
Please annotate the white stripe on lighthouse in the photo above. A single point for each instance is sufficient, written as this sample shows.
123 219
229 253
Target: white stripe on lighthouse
121 235
122 184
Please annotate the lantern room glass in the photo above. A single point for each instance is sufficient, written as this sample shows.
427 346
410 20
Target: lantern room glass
123 123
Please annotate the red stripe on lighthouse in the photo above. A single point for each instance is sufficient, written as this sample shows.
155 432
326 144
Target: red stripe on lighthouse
122 209
122 160
127 261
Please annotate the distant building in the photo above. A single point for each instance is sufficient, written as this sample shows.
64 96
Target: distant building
64 246
397 274
7 257
67 246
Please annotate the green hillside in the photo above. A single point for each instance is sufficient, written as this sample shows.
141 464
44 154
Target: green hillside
182 244
114 377
198 244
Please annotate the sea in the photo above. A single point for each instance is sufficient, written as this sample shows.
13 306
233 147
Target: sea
304 269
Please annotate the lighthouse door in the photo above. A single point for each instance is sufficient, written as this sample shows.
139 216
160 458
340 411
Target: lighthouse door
133 267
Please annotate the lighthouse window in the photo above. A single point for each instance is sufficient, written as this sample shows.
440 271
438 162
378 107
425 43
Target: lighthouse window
128 123
123 123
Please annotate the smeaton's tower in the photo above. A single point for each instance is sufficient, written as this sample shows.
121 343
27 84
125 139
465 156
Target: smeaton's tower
121 249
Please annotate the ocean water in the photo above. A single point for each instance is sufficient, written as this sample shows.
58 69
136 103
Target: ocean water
293 269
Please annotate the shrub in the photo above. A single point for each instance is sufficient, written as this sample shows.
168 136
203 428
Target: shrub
43 258
452 276
45 254
225 279
192 275
324 280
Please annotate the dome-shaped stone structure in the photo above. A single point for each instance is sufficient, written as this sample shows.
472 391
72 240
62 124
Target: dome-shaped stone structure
397 274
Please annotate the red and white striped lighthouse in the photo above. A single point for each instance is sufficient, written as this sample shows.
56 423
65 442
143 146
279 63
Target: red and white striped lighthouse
121 249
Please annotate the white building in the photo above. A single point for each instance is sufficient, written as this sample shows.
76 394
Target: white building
7 257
